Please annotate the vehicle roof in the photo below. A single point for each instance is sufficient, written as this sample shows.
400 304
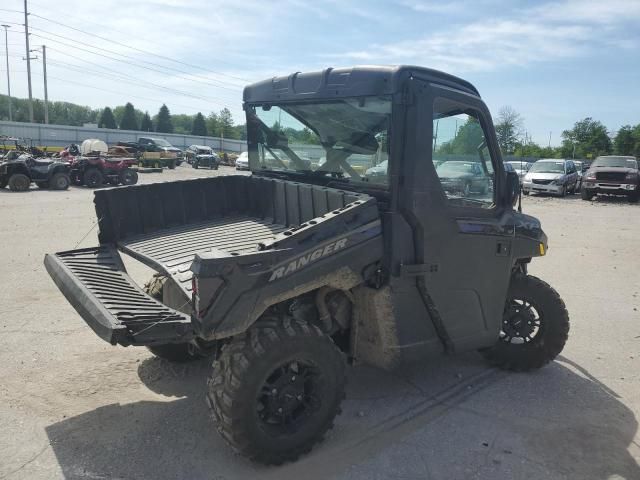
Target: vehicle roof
630 157
554 160
347 82
200 146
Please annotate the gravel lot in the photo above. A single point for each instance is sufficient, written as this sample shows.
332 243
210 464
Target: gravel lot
72 406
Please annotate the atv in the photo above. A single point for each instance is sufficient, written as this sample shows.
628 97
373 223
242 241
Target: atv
95 171
19 170
285 276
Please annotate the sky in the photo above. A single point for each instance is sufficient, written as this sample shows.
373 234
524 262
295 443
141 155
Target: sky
554 62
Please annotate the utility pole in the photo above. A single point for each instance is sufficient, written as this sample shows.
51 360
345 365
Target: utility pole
6 49
549 135
26 39
46 96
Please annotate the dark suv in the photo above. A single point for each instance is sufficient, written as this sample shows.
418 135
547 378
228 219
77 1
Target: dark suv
613 175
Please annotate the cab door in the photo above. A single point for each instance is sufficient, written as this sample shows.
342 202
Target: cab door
463 236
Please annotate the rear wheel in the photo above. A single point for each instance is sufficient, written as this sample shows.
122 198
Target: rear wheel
59 181
535 326
19 182
93 178
172 352
128 177
275 391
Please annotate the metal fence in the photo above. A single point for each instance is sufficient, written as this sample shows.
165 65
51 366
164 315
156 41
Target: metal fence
62 135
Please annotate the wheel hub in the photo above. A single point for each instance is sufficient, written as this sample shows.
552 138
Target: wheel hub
520 321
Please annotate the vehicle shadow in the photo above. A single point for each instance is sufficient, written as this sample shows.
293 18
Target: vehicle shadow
560 422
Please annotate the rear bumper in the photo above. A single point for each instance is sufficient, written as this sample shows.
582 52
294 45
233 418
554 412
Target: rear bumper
95 283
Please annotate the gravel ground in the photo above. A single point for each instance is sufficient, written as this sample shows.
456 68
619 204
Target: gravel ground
72 406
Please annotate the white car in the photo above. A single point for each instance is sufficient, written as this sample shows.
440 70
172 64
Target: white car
242 162
551 175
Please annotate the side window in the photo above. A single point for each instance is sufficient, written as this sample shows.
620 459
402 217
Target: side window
461 157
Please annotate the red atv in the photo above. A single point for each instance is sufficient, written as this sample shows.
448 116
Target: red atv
95 171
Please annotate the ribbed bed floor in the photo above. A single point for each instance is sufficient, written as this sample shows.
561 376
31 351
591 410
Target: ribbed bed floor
173 249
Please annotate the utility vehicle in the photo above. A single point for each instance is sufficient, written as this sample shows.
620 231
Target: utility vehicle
286 275
19 170
94 171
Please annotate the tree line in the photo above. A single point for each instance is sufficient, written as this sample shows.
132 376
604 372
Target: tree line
126 117
587 139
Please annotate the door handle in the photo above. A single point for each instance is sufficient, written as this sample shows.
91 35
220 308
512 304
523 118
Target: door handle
503 249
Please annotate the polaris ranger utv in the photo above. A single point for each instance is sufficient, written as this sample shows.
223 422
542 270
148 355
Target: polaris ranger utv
284 275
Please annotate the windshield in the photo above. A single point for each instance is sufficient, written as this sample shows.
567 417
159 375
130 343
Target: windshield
547 167
622 162
162 142
342 139
520 166
204 151
455 169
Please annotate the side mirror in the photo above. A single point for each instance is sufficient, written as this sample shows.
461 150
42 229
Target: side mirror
513 187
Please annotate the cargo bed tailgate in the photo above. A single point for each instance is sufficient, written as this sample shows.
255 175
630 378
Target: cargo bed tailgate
96 284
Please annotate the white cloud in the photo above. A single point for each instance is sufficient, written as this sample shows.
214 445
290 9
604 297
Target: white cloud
550 32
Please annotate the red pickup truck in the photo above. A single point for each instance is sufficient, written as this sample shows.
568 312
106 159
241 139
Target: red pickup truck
612 175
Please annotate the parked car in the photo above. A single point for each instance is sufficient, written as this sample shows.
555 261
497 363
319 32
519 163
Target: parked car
242 162
551 175
613 175
202 156
377 173
520 167
19 171
463 177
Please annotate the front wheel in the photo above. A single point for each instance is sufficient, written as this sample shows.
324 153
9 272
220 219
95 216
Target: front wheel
19 182
275 391
535 326
128 177
60 181
93 178
586 194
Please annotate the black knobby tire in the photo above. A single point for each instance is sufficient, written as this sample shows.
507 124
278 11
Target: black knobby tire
195 165
257 397
586 194
172 352
93 178
531 336
172 165
59 181
19 182
128 177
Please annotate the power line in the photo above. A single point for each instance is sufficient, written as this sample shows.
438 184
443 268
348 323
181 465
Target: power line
138 61
133 81
137 49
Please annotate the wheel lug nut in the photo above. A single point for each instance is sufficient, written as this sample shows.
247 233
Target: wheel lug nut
299 397
274 391
293 378
280 410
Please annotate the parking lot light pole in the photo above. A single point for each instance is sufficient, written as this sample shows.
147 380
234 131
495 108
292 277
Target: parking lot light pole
6 49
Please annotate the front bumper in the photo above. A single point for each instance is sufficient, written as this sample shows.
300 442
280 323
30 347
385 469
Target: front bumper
609 187
536 187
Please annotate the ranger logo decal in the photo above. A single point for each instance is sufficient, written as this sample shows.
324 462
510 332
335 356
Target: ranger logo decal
297 263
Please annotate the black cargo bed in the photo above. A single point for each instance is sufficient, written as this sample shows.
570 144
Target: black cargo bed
171 251
96 284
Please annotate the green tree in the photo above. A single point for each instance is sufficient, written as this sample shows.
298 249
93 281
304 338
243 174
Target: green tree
587 139
226 123
163 120
213 124
199 126
107 120
129 120
467 140
182 123
146 125
625 141
508 129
